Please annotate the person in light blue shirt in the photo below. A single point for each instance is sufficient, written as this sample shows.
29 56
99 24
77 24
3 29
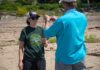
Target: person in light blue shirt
69 30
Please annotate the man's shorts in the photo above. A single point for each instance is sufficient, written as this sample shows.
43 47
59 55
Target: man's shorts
77 66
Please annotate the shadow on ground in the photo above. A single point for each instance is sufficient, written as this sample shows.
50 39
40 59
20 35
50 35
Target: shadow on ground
3 68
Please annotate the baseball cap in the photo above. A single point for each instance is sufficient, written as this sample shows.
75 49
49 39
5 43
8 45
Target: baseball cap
32 15
67 1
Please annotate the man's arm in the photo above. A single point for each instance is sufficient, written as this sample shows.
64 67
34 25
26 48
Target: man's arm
48 19
53 30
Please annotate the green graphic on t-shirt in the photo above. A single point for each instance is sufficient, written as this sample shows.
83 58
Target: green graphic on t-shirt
35 40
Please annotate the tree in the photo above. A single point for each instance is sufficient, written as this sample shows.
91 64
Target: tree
88 1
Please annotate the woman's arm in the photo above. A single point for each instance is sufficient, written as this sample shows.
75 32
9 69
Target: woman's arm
20 53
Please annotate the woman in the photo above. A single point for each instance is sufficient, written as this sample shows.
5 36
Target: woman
31 46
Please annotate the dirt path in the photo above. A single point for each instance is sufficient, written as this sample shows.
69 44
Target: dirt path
9 33
9 58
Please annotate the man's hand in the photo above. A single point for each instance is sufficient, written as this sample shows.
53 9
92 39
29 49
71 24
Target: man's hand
53 18
50 18
20 65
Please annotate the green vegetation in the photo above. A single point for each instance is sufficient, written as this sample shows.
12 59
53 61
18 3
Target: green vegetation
21 11
49 6
88 39
20 7
91 39
25 8
7 6
97 4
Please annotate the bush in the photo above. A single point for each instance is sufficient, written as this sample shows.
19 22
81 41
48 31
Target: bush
23 2
18 5
49 6
41 12
9 6
21 11
31 7
91 39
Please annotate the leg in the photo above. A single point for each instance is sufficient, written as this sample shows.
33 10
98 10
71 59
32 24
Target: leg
41 64
80 66
34 65
61 66
27 65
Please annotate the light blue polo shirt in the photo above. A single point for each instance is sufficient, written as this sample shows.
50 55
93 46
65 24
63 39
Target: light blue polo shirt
69 30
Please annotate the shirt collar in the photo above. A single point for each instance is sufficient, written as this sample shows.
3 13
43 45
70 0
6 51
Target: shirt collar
70 10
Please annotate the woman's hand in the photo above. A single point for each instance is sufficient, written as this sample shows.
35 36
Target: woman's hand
44 42
53 18
20 52
20 65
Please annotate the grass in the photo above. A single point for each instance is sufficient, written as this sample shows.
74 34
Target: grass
91 39
88 39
